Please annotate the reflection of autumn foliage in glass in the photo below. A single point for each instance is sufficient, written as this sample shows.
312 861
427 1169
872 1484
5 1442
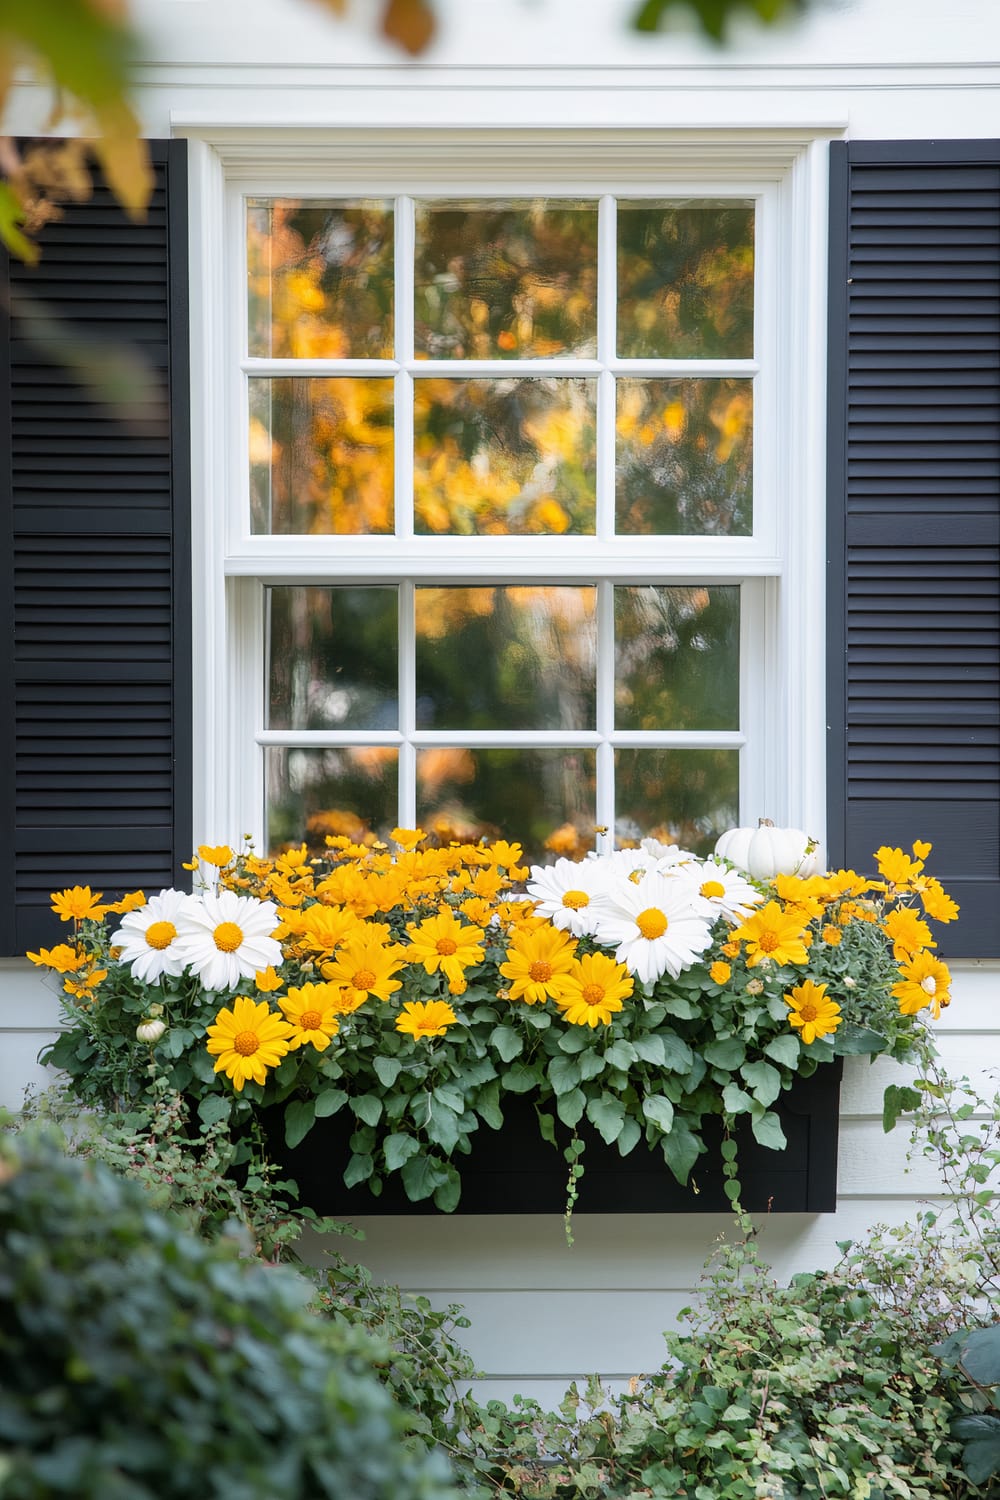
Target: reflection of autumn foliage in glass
534 650
694 795
506 280
319 280
677 655
685 457
321 456
504 457
305 787
685 280
332 657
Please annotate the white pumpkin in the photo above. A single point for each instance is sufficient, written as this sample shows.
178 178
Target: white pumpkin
768 851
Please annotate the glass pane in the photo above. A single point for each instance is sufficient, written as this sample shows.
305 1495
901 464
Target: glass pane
524 795
511 280
332 659
321 456
685 797
351 790
677 658
685 280
504 457
319 279
685 457
506 658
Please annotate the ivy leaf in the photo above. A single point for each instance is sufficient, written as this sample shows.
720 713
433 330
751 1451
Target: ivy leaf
679 1006
299 1117
677 1054
608 1114
621 1054
421 1176
329 1102
446 1195
651 1050
631 1135
564 1074
546 1127
214 1108
981 1356
681 1149
570 1107
358 1169
507 1042
520 1079
398 1149
896 1101
451 1097
572 1040
858 1041
442 1128
767 1129
367 1107
736 1100
659 1110
591 1063
728 1054
764 1080
784 1050
488 1105
388 1070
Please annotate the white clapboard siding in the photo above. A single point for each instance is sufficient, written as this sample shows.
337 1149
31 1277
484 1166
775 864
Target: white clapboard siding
544 1313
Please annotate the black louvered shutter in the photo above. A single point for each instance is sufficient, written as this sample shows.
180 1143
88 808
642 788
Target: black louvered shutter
95 586
914 504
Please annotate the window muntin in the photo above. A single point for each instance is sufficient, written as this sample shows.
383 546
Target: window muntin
566 470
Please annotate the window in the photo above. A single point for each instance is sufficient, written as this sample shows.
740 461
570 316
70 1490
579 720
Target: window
502 503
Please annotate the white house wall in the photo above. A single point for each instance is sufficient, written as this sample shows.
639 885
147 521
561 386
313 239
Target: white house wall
541 1313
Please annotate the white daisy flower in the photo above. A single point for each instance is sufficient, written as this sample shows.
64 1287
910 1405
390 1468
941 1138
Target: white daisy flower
148 937
724 889
568 893
665 855
225 938
656 924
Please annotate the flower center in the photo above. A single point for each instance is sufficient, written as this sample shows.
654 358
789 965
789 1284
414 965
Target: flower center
363 979
651 923
160 934
929 984
808 1011
767 942
447 946
246 1043
540 971
228 937
575 899
713 888
311 1020
593 994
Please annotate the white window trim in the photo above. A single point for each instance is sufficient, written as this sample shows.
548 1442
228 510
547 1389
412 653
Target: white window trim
784 561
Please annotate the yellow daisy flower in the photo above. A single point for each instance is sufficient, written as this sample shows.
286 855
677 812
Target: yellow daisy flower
935 901
62 958
408 838
312 1011
896 867
215 854
773 933
594 990
366 964
444 944
907 933
811 1011
537 961
720 972
247 1040
82 987
268 980
925 982
425 1018
78 903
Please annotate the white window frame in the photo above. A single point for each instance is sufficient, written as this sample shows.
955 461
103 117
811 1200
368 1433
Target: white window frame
780 565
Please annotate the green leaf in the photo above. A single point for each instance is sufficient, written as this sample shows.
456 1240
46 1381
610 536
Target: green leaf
398 1149
573 1040
329 1102
764 1080
631 1135
421 1177
608 1114
767 1129
621 1054
546 1127
784 1050
681 1149
520 1079
12 216
727 1054
736 1101
896 1101
507 1042
570 1107
591 1064
677 1005
982 1459
488 1105
677 1054
367 1107
442 1128
450 1097
981 1355
214 1108
359 1169
388 1070
299 1117
858 1041
651 1049
659 1110
447 1194
564 1074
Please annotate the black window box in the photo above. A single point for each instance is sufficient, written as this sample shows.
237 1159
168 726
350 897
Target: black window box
512 1171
